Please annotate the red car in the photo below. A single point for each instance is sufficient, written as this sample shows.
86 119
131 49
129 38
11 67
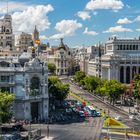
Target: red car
86 114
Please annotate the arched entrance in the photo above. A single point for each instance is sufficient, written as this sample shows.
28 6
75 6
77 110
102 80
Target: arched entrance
127 74
34 91
122 74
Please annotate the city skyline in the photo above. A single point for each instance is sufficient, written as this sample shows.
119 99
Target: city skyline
80 22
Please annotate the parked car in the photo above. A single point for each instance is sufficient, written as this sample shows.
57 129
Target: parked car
98 114
81 113
118 118
132 117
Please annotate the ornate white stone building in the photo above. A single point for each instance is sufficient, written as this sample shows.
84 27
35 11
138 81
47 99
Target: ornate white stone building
29 82
7 38
121 59
62 57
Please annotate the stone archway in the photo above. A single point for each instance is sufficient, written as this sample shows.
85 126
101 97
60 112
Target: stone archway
34 91
122 74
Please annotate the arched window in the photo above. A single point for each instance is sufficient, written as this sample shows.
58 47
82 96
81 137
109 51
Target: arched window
35 86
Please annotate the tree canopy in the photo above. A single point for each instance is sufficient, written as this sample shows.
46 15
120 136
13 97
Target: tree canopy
6 100
79 75
51 67
58 90
136 84
113 89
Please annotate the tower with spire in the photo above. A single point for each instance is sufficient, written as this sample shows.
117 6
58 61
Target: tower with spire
35 34
7 38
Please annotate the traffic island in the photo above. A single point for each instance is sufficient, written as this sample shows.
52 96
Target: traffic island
112 123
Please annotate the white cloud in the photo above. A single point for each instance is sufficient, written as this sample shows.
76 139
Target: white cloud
67 27
137 18
33 15
138 30
93 33
124 21
57 36
12 6
115 5
117 29
83 15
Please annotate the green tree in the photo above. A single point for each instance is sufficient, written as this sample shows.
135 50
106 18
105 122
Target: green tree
62 91
58 90
6 100
136 84
91 83
113 89
79 75
51 67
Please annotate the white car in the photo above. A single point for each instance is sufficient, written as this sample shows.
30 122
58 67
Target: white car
132 117
118 118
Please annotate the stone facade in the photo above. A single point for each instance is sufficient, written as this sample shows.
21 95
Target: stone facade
30 85
62 57
7 38
121 60
24 40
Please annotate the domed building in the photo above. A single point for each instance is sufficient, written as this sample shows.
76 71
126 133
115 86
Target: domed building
62 58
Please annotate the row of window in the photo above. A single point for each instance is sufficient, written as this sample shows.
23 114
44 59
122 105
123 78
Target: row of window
127 47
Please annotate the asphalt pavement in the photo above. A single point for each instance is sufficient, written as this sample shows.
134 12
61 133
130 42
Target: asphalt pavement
87 130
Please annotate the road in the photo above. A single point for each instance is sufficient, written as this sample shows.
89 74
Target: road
88 130
113 111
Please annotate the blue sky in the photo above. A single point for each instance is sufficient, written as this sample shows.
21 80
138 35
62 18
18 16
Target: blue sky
80 22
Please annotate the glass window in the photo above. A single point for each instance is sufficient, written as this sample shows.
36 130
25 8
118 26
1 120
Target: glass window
4 78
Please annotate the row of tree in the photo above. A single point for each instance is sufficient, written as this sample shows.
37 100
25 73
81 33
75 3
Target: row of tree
57 89
112 89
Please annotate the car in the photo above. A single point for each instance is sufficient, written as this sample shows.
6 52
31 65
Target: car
98 114
86 113
81 113
118 118
132 117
